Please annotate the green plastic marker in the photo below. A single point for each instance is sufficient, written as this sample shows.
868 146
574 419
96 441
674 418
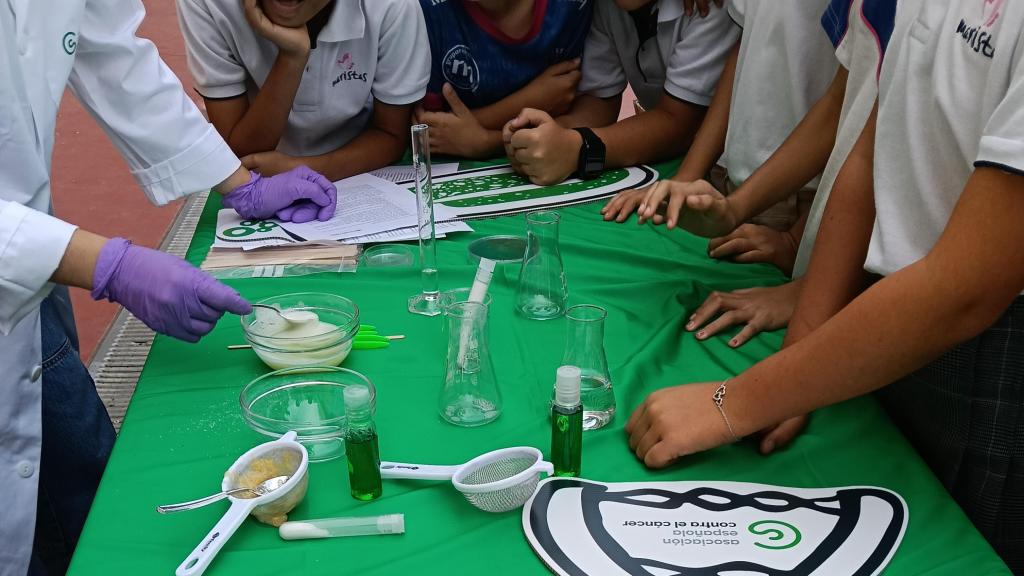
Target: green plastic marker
567 423
361 445
370 344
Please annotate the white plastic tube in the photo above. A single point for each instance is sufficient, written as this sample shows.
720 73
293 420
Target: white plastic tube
336 527
481 283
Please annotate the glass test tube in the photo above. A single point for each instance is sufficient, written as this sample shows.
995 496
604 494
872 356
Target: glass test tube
427 302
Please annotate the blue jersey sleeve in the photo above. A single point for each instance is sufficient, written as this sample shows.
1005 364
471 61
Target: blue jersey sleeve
878 15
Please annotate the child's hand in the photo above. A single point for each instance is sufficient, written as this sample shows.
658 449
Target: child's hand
457 133
754 243
703 6
290 41
676 422
781 434
271 163
760 309
694 206
547 152
625 203
506 140
555 88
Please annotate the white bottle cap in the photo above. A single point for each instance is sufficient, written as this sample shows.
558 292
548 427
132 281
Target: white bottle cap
357 405
567 386
391 524
356 397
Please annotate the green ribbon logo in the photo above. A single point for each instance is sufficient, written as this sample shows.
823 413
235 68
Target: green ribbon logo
249 227
70 43
774 529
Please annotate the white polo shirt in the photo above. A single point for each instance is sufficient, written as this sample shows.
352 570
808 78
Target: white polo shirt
860 36
786 63
951 98
684 57
368 49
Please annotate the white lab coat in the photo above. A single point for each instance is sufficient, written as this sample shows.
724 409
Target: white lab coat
89 45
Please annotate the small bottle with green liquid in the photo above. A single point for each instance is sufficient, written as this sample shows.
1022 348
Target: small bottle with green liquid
361 445
567 423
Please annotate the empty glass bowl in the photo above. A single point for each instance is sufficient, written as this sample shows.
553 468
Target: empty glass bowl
283 344
309 400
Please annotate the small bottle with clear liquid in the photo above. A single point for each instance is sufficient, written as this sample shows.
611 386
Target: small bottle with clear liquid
361 445
584 348
567 423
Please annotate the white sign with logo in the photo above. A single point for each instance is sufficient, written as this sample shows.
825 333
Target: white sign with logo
580 527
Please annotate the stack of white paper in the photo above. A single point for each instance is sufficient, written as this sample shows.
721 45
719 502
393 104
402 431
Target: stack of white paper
370 209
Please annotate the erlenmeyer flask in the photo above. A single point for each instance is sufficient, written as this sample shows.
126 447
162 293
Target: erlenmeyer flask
542 293
584 348
470 396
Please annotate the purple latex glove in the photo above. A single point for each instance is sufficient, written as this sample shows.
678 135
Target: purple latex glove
170 295
298 195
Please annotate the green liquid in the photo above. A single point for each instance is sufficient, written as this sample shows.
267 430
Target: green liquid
567 439
363 464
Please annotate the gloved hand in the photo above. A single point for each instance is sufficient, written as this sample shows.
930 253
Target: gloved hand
298 195
170 295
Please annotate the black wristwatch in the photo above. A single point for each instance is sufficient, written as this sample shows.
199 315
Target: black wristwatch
591 162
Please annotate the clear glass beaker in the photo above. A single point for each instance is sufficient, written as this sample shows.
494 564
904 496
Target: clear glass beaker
542 293
470 396
584 348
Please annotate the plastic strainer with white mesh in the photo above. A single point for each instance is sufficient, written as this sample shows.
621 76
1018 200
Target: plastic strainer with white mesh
497 481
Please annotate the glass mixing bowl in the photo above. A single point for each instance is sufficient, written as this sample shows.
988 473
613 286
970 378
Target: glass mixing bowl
326 344
309 400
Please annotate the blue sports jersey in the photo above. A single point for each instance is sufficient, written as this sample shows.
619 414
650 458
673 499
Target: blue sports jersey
483 64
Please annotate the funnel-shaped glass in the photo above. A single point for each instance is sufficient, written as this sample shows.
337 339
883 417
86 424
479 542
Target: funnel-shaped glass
584 348
542 293
470 396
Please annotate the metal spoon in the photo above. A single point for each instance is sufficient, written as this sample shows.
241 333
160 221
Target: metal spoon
292 316
265 487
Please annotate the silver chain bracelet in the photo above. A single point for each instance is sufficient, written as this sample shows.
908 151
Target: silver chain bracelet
719 399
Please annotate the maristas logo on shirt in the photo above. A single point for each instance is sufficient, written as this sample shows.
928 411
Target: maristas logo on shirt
991 11
980 37
350 73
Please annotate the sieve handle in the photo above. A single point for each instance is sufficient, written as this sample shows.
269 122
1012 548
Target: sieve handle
401 470
200 558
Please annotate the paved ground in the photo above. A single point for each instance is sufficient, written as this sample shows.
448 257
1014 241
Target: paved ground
91 184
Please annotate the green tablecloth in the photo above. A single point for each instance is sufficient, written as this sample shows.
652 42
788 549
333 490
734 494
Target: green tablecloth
183 427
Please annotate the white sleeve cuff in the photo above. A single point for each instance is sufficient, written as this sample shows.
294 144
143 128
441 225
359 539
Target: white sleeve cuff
208 162
402 99
31 247
687 95
220 92
604 91
1002 153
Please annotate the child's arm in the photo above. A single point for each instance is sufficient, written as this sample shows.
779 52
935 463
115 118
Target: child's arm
898 325
381 143
477 133
458 133
798 160
548 152
589 110
804 154
835 275
553 91
708 145
257 127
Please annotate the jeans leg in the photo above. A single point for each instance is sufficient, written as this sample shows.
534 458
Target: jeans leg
77 439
